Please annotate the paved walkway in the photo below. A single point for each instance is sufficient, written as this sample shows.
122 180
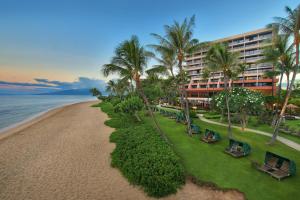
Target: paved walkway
283 140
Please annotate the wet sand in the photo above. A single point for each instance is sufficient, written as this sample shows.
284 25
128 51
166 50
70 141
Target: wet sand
65 154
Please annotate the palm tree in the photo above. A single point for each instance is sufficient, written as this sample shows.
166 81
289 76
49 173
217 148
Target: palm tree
178 41
130 61
278 54
219 58
111 87
242 67
205 75
118 87
166 63
289 25
95 92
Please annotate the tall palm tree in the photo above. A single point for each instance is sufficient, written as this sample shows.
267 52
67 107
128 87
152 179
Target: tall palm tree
130 61
166 63
111 87
242 67
289 25
278 54
219 58
205 75
178 40
118 87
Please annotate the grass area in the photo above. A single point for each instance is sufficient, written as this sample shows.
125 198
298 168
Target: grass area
266 128
208 162
293 123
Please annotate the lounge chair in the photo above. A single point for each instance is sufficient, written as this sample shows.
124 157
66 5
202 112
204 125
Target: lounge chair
210 136
238 149
195 129
277 166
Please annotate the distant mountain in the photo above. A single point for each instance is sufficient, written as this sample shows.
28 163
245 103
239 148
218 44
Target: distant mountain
84 91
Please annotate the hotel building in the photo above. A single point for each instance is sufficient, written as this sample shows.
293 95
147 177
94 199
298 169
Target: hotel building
250 46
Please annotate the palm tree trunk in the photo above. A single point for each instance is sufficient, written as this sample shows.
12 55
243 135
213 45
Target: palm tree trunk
184 94
227 105
289 91
274 121
243 79
287 81
141 91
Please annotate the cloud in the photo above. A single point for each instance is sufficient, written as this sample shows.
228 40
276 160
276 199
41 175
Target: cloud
45 86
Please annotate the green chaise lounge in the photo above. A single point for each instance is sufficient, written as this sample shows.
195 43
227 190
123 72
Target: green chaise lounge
195 129
238 149
210 136
277 166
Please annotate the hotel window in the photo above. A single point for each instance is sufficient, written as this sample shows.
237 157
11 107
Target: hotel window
194 86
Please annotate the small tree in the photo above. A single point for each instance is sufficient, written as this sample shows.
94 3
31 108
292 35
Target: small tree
95 92
130 106
243 102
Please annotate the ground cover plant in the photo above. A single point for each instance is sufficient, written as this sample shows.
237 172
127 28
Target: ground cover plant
142 156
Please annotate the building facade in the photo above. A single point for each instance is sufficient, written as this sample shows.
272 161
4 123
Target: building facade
250 46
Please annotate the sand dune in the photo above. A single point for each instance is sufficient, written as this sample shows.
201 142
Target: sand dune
65 154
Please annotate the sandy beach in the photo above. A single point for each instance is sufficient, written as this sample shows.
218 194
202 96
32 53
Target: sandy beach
65 154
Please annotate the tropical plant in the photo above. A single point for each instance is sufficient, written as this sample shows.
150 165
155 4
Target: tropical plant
95 92
205 75
130 61
219 58
242 67
290 26
130 106
166 63
279 53
243 102
118 87
178 41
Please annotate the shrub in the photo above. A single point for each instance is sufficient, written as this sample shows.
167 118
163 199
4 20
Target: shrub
130 106
146 160
143 157
193 114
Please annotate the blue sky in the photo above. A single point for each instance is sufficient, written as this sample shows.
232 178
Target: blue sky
63 40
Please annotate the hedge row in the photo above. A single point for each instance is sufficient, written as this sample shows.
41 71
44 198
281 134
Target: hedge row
143 157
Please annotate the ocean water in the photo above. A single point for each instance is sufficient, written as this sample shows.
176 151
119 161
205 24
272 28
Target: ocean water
15 109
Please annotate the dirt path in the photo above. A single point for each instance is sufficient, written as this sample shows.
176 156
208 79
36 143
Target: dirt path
65 155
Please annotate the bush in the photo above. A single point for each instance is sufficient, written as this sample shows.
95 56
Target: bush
143 157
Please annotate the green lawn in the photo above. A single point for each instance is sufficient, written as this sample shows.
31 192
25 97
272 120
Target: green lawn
293 124
266 128
208 162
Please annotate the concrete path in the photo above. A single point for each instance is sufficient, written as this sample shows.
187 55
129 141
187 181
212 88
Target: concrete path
283 140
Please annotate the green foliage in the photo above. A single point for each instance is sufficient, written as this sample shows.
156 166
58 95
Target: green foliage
95 92
208 164
243 102
193 114
130 105
146 160
143 157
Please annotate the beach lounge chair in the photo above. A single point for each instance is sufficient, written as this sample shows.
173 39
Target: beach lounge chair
277 166
210 136
195 129
238 149
172 115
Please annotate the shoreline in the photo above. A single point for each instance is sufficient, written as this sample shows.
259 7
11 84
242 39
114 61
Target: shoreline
31 120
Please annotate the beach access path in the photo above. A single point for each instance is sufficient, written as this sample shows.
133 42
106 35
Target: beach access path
65 155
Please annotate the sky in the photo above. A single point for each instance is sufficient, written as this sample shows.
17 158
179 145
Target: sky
69 40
